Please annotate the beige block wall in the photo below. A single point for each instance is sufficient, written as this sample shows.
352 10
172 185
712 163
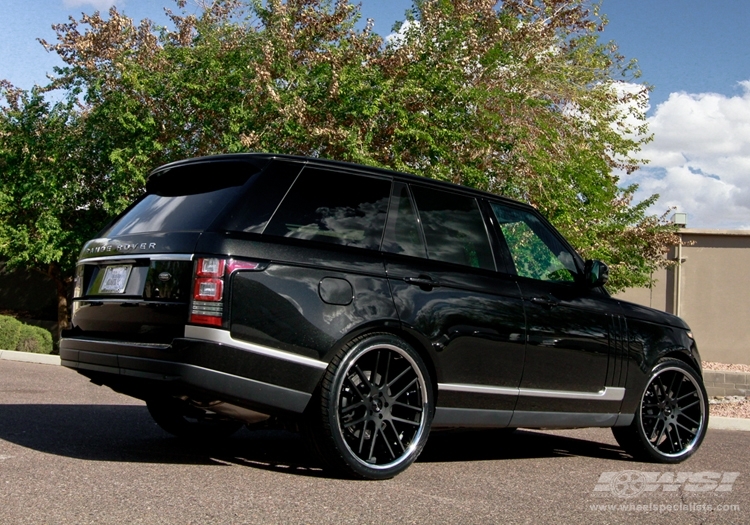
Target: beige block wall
714 294
655 297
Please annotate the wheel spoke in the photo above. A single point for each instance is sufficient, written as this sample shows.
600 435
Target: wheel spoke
362 438
372 442
676 395
399 376
407 421
671 386
356 421
407 387
399 403
692 393
693 421
661 389
375 368
661 434
387 368
678 440
398 438
349 408
654 431
355 388
690 430
385 440
650 429
362 376
697 401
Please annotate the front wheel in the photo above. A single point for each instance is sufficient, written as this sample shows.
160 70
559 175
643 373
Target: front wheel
672 417
375 407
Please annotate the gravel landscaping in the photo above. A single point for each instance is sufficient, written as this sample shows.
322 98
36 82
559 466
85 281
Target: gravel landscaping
723 367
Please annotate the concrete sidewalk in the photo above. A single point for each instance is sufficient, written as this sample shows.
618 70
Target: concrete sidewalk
27 357
728 423
715 422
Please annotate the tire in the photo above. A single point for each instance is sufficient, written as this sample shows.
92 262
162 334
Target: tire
372 415
187 422
672 415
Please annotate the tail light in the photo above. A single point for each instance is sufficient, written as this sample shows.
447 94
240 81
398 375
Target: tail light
207 306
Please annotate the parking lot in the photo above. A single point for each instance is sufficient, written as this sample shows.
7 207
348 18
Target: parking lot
73 452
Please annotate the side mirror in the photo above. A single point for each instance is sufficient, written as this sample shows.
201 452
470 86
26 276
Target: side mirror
595 273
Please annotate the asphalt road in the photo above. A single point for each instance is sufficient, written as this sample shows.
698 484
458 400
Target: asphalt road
73 452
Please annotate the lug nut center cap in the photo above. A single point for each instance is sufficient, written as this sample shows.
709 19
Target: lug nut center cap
377 405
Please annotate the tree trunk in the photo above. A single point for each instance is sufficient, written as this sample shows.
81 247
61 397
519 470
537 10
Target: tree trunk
62 283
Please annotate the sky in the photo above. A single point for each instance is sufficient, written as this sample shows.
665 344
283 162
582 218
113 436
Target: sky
695 54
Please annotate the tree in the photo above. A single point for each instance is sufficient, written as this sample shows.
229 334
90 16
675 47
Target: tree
518 98
49 193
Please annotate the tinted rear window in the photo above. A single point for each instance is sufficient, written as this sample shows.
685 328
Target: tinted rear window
185 197
332 207
155 213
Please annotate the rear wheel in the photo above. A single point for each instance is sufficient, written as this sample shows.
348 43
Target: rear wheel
672 417
375 407
188 422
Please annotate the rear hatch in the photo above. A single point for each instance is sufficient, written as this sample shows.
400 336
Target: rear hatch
134 282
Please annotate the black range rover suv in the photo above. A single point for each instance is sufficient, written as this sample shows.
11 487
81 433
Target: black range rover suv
372 307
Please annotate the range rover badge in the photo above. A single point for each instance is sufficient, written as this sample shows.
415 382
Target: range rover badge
165 276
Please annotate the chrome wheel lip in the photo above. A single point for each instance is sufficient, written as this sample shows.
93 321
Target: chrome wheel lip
408 451
702 421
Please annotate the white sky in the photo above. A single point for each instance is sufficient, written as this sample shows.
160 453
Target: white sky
700 158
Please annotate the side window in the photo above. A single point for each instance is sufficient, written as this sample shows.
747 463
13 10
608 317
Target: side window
402 233
252 213
333 207
536 252
453 228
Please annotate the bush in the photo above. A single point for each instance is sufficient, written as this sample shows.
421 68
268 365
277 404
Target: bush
14 335
10 332
34 339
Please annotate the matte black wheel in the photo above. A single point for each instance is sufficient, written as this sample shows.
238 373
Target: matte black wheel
185 421
671 420
375 408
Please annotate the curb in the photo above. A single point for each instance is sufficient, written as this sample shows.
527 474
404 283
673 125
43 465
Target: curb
28 357
728 423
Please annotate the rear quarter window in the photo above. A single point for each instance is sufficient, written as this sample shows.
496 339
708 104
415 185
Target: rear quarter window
333 207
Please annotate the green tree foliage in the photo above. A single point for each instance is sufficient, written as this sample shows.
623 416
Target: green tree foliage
518 98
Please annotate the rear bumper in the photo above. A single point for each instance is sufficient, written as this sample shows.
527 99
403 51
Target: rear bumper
206 360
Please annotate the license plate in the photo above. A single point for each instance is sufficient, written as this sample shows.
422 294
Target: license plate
115 279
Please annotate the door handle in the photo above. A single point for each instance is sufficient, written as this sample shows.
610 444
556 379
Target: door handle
544 301
422 281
